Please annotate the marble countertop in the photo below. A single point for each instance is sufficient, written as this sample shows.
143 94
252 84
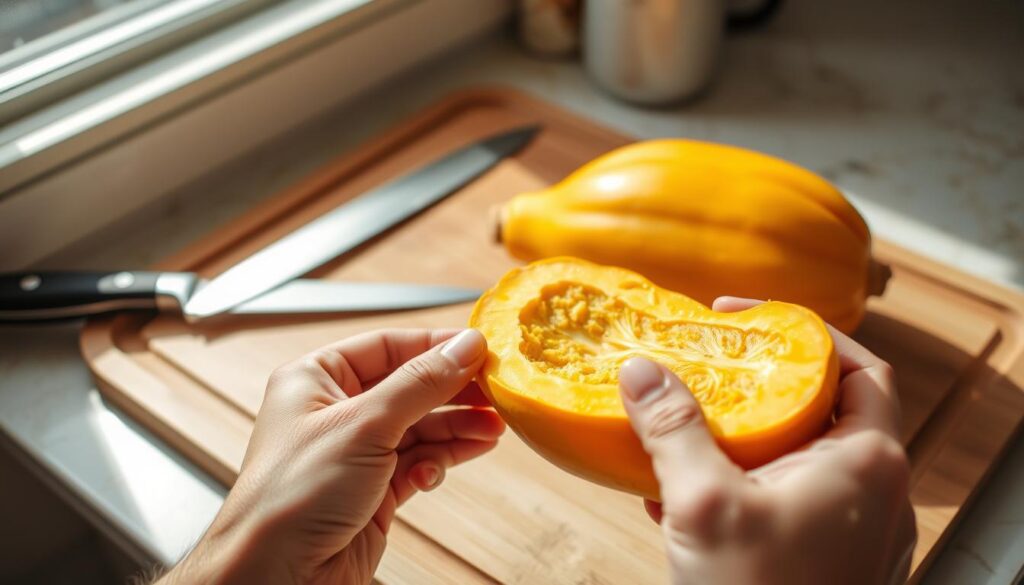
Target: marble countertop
917 109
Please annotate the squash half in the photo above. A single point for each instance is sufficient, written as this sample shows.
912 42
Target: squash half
559 329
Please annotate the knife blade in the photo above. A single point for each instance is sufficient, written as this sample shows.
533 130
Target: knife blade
43 296
352 224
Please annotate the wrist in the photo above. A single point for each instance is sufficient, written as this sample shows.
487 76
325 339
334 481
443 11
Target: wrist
227 553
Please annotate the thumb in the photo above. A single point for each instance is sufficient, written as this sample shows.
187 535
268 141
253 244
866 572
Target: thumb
425 382
694 474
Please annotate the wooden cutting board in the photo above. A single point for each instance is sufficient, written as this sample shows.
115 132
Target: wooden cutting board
957 344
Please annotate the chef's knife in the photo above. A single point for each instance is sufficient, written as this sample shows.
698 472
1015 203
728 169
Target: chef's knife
352 224
42 296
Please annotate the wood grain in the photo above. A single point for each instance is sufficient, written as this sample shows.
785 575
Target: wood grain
957 344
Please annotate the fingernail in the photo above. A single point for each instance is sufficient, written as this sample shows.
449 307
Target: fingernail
641 379
464 348
431 475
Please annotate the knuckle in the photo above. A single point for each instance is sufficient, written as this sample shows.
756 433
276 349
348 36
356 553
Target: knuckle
368 426
879 456
702 512
886 372
887 380
282 374
311 363
426 371
888 451
302 366
277 376
669 416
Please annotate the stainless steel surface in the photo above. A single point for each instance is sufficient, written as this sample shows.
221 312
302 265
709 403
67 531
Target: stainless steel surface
317 296
352 224
652 51
174 289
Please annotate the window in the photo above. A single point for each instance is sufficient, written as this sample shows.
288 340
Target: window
27 21
165 91
51 48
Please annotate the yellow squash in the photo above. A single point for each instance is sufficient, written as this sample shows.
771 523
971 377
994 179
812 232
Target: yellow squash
706 220
558 330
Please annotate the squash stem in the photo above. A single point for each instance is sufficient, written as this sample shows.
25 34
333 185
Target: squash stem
878 278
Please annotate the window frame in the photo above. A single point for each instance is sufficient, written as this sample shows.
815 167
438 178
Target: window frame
106 153
58 64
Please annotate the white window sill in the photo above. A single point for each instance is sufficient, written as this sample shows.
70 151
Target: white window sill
93 158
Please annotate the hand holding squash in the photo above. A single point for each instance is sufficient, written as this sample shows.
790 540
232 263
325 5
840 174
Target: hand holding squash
559 329
345 435
837 512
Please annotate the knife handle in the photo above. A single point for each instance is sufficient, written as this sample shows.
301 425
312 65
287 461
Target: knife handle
45 296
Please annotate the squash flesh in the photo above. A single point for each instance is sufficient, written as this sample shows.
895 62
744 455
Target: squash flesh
558 331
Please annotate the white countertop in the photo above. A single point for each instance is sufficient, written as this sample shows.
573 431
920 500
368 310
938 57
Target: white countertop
919 110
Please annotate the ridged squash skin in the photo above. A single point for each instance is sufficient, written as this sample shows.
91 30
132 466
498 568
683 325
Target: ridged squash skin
559 329
706 220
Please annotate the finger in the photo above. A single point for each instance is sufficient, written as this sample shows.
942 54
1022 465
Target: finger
374 355
867 400
441 455
867 389
697 480
467 423
852 355
903 546
385 513
422 384
351 366
426 475
669 421
734 304
653 510
471 395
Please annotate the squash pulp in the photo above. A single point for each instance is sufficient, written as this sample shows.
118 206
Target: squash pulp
558 331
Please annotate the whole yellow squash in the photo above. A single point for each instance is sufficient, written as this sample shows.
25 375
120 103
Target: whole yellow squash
706 220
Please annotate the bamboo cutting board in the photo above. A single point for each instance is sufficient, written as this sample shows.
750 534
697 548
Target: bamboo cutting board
957 344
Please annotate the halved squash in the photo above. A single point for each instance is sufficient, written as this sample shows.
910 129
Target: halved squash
559 329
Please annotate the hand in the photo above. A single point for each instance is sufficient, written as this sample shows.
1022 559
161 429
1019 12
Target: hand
837 512
345 436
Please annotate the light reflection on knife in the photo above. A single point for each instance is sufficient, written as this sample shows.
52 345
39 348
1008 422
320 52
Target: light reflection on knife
41 296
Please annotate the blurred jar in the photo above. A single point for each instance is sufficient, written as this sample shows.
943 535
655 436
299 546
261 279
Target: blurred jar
656 52
549 28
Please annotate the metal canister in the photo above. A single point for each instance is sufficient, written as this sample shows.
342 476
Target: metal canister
652 51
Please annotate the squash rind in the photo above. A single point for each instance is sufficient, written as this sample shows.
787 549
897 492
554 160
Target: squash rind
705 220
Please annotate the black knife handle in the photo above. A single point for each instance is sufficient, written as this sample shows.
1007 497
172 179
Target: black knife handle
44 296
